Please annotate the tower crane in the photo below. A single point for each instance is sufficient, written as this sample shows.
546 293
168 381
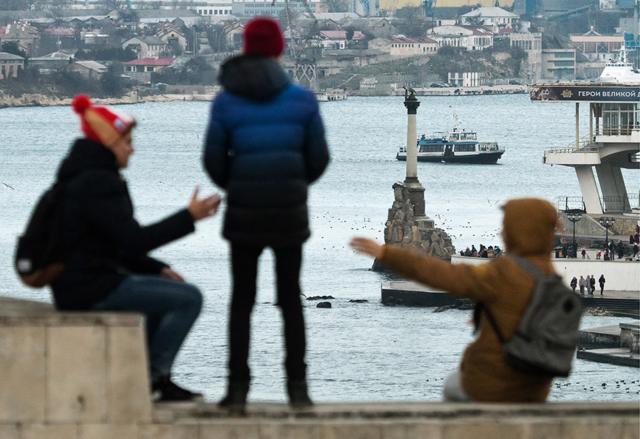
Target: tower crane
301 48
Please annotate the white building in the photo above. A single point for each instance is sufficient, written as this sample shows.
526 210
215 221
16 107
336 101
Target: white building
466 79
497 18
146 47
559 64
10 65
337 39
89 69
403 46
597 47
531 43
466 37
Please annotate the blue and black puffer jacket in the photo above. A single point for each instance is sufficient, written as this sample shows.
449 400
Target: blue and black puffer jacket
265 144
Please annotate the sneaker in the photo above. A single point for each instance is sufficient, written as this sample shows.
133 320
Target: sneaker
236 398
165 390
298 394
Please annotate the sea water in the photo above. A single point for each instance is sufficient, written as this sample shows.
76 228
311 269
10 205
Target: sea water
356 351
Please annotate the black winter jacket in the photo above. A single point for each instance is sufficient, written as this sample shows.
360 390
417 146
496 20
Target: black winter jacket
105 242
265 144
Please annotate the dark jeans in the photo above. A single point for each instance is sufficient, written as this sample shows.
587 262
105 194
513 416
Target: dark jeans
170 309
244 267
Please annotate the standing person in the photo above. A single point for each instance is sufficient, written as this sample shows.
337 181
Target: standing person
107 267
601 281
265 144
592 284
620 248
574 283
582 283
502 286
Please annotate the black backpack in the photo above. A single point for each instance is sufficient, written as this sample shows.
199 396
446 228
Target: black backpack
545 340
40 251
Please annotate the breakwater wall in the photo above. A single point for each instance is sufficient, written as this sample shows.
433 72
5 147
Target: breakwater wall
619 275
41 100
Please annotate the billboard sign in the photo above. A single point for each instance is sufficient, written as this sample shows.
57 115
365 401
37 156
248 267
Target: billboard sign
585 93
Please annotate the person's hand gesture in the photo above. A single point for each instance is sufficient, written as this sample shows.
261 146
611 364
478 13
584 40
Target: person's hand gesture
366 246
201 208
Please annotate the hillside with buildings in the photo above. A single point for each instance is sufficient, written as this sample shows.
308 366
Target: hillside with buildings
115 47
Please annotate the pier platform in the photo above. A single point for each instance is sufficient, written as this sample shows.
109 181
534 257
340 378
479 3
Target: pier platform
406 293
614 344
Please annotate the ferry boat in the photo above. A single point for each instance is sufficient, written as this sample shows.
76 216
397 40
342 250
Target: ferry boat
459 146
331 95
620 70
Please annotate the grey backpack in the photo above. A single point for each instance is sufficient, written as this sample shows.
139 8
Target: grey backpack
545 341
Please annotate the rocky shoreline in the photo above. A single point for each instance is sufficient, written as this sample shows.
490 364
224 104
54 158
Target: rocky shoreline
41 100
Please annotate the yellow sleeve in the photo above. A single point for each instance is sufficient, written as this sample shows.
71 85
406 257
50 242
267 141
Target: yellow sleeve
462 280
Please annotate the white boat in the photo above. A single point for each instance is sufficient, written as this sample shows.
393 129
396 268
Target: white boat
620 70
331 95
459 146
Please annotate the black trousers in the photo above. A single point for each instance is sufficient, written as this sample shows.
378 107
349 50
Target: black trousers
244 268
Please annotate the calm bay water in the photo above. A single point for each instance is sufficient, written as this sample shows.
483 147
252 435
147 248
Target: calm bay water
356 351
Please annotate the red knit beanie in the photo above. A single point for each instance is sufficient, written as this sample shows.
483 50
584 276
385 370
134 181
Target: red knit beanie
99 123
263 36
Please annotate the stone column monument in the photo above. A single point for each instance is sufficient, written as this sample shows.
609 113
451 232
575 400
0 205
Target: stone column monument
407 223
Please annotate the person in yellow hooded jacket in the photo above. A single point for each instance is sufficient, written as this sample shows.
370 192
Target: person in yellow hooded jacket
500 285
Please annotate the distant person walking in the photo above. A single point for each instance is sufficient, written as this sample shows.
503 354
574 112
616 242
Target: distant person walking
584 254
601 281
265 145
108 268
592 284
502 286
620 249
582 283
574 284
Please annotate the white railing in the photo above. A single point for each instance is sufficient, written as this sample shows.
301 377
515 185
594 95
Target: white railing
584 145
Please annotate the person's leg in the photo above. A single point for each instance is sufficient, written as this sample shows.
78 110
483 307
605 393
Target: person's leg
453 391
244 269
170 308
288 263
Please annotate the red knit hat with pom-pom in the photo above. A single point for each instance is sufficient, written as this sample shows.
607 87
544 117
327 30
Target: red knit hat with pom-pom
263 36
99 123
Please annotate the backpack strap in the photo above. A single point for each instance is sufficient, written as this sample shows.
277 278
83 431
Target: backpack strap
529 267
494 324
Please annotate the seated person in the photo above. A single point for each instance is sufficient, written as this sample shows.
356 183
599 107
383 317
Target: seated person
107 267
502 286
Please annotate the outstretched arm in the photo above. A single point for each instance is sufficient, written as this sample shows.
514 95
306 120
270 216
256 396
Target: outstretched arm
462 280
109 211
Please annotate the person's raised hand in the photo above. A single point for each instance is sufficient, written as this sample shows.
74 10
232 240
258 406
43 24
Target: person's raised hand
367 246
201 208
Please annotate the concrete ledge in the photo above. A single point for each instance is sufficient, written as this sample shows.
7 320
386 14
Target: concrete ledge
396 411
366 421
17 312
61 368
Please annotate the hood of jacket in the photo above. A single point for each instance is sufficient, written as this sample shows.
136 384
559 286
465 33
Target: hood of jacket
529 226
86 155
253 77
